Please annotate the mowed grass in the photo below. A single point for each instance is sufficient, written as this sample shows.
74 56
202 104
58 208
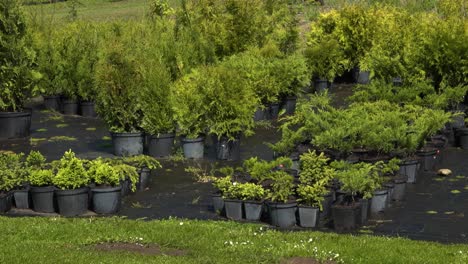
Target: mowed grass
60 240
93 10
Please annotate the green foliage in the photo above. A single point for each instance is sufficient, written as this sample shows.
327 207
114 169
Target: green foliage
71 173
125 171
35 160
41 177
222 184
282 187
358 179
142 161
251 192
315 168
12 171
312 195
103 173
261 170
160 9
17 74
119 79
325 58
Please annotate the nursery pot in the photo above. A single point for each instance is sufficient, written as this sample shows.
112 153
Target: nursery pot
193 148
261 114
21 198
308 216
15 124
52 102
462 134
397 81
72 202
233 209
127 144
218 203
70 107
363 77
458 121
290 105
320 85
326 206
87 109
227 149
126 187
253 210
428 158
143 179
5 202
399 189
282 214
378 202
390 189
107 200
274 111
409 169
364 210
43 199
161 145
346 217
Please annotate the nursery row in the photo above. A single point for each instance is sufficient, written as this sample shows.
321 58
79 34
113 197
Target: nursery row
315 190
70 185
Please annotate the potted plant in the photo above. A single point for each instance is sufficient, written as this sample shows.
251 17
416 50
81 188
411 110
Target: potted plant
314 188
221 184
156 97
144 164
71 180
282 205
233 201
42 190
325 59
17 74
12 175
253 196
355 182
117 101
230 108
106 195
21 193
190 111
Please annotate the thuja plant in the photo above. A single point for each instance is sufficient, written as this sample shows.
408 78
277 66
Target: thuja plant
71 173
356 180
142 161
17 65
41 177
282 188
261 170
103 174
325 58
13 171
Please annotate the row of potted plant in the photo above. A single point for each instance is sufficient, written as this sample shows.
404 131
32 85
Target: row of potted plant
70 185
322 189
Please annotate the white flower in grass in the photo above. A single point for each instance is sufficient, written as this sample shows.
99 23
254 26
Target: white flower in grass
181 223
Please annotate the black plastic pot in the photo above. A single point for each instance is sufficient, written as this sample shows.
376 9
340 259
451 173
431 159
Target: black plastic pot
364 210
5 202
390 187
161 145
261 114
308 216
15 124
320 85
397 81
290 105
462 135
274 111
126 187
70 107
52 102
72 202
458 121
127 144
227 149
282 214
87 109
22 198
378 202
218 203
428 158
253 210
346 217
363 77
193 148
400 189
42 199
143 179
326 206
409 168
107 200
233 209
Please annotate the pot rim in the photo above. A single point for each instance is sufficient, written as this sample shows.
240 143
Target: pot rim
126 134
106 189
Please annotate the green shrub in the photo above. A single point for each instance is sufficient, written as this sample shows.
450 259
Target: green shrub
261 170
17 72
103 173
35 160
282 187
142 161
71 173
41 177
13 172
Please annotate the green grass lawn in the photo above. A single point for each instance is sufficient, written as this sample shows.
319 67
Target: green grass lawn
97 10
60 240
